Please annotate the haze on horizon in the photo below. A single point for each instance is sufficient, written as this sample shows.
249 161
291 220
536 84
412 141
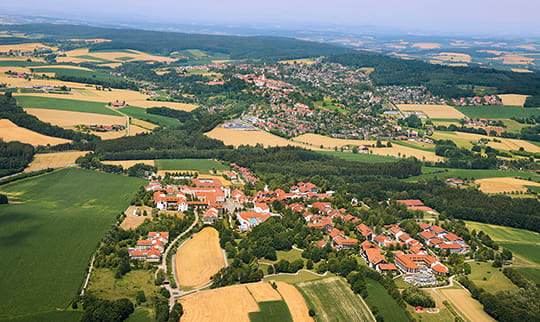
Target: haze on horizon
466 17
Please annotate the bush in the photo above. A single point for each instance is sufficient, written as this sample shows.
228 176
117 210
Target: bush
140 297
416 297
3 199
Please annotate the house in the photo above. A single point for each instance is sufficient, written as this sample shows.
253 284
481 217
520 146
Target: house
321 223
206 183
374 257
455 182
412 263
321 243
250 219
153 186
210 216
387 268
339 242
150 249
365 231
238 196
323 207
261 207
175 201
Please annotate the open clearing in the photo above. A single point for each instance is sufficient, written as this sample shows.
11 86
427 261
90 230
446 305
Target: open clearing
462 301
360 157
54 160
453 57
490 278
64 104
333 300
252 138
50 232
235 303
426 45
470 174
400 151
199 258
104 285
497 112
388 307
513 99
24 47
128 163
11 132
504 185
433 111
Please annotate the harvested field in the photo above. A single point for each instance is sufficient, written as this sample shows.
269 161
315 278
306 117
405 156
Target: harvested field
129 163
514 59
302 61
521 70
11 132
261 292
327 142
24 47
37 68
433 111
172 105
296 303
401 151
461 299
83 55
252 138
427 45
465 140
513 99
199 258
505 185
25 83
54 160
135 217
453 57
21 59
68 119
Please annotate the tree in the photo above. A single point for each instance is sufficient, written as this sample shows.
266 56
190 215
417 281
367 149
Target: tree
160 277
140 297
3 199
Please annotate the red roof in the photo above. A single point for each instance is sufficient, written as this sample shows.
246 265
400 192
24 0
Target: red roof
335 232
404 237
366 244
247 215
410 202
426 234
387 267
374 256
345 241
421 208
437 229
424 226
440 268
364 230
321 243
436 241
451 237
450 246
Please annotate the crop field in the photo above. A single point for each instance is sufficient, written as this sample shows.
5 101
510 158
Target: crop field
54 160
35 102
453 57
271 311
72 72
333 300
9 131
505 185
497 112
513 99
387 306
200 165
104 285
135 217
465 140
128 163
83 55
317 140
433 111
490 278
462 301
235 303
24 47
471 174
199 258
360 157
49 233
69 119
251 138
400 151
530 273
426 45
302 276
521 242
140 113
301 61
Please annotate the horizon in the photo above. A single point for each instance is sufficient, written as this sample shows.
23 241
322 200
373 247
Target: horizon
421 17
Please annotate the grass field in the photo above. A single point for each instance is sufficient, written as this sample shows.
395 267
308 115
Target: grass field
19 63
104 285
497 112
200 165
521 242
64 104
271 311
141 315
490 278
52 316
302 276
140 113
387 306
444 173
49 233
333 300
63 72
360 157
530 273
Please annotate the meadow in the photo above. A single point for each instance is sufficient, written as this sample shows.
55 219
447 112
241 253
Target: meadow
63 72
497 112
388 307
141 114
65 105
200 165
333 300
271 311
49 232
489 278
360 157
471 174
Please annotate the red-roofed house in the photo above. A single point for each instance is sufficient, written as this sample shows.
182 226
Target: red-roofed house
176 201
210 216
364 231
250 219
261 207
410 202
340 242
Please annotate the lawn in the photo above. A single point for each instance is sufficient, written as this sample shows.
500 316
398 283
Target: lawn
65 105
200 165
388 308
105 286
470 174
497 112
490 278
271 311
521 242
360 157
140 113
49 233
333 300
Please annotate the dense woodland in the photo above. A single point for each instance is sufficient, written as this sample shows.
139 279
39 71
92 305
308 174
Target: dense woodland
14 157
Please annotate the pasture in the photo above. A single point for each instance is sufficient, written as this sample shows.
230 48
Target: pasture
129 163
104 285
471 174
9 131
200 165
49 233
66 104
333 300
523 243
490 278
388 307
54 160
466 140
464 304
433 111
199 258
360 157
497 112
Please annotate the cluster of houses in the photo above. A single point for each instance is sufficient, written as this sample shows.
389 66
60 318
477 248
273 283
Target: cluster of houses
151 248
261 81
106 128
245 173
476 100
438 238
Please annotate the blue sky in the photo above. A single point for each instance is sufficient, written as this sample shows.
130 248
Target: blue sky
481 17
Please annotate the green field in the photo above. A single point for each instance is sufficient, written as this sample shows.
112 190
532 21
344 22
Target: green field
333 300
65 105
271 311
140 315
489 278
52 316
418 146
444 173
105 286
140 113
200 165
19 63
388 307
521 242
301 276
530 273
360 157
96 59
63 72
497 112
49 233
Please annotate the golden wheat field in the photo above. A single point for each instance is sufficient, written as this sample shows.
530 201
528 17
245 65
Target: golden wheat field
54 160
400 151
12 132
467 307
69 119
129 163
504 185
24 47
427 45
513 99
198 259
317 140
521 70
433 111
83 55
453 57
252 138
234 303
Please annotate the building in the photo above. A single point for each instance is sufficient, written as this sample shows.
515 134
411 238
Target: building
250 219
150 249
365 231
170 201
210 216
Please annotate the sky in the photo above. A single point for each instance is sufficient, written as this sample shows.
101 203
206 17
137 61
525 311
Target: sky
472 17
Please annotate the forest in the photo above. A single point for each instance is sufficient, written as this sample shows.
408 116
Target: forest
14 157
